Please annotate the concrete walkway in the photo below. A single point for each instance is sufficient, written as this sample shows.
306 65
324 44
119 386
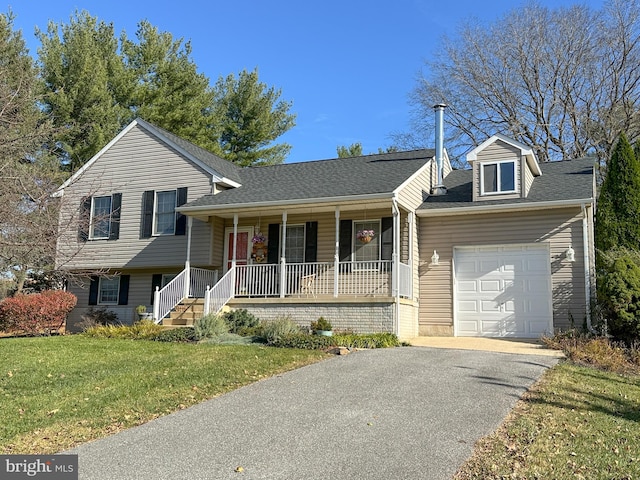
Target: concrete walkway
397 413
502 345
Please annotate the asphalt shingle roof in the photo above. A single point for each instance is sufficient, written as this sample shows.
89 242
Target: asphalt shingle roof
565 180
369 174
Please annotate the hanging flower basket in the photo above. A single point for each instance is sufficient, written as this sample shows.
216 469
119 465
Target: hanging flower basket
259 238
365 236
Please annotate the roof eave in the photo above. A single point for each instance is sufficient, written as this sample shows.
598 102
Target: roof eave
284 203
441 212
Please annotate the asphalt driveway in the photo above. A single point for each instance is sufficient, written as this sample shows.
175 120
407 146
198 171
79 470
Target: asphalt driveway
400 413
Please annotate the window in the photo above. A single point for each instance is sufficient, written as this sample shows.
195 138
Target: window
100 217
165 213
159 216
499 177
167 277
294 245
108 290
366 252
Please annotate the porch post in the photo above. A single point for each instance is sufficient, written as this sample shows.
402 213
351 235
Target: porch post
395 265
187 263
283 261
336 256
412 230
235 240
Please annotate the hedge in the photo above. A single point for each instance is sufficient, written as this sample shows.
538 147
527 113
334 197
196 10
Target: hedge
36 313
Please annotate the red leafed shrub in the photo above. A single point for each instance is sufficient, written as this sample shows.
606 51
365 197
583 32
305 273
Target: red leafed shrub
36 313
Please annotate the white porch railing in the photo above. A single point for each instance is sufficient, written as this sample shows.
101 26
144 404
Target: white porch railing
173 293
217 296
404 272
317 278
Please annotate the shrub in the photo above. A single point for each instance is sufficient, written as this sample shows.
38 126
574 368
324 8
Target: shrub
274 330
209 326
316 342
321 324
94 317
144 329
240 320
619 293
181 334
36 313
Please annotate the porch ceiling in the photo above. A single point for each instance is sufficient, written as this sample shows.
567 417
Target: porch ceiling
298 208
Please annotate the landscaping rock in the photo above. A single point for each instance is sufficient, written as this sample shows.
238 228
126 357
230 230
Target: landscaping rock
340 351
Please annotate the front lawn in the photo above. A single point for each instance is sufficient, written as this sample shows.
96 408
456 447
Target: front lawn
576 423
57 392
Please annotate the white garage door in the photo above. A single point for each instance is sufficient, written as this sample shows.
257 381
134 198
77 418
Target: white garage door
503 291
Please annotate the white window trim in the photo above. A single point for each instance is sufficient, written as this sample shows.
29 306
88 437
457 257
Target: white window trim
354 240
499 192
155 213
100 302
92 215
304 238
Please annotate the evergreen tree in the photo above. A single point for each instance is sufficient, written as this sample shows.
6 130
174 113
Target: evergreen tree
28 213
618 212
247 118
168 91
353 150
87 85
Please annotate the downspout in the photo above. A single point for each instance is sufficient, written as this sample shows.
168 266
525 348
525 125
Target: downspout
395 277
587 270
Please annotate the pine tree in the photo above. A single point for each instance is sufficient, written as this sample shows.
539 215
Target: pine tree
618 211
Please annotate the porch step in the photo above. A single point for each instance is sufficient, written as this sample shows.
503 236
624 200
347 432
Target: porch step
185 313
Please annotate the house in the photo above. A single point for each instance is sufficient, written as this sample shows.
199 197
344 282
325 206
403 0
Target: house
502 249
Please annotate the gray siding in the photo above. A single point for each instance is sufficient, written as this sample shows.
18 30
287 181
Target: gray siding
137 162
559 227
497 151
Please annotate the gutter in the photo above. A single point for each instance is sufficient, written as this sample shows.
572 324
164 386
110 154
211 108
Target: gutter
396 264
442 212
587 273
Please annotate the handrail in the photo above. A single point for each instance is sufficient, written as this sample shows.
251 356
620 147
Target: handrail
217 296
165 299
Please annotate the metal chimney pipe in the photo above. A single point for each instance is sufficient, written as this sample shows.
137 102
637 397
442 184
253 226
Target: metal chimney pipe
439 111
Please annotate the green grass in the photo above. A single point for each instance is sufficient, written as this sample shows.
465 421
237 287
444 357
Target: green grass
575 423
57 392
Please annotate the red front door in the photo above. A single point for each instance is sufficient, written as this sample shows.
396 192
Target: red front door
242 249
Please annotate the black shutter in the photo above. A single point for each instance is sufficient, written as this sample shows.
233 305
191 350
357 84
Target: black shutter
146 229
156 281
386 238
346 234
123 294
93 291
83 219
273 247
311 242
181 220
114 220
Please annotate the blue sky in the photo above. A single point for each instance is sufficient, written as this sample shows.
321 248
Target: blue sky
348 66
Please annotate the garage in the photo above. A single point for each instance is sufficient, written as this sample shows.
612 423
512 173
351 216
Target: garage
502 291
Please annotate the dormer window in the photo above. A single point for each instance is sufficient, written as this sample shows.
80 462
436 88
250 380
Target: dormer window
498 177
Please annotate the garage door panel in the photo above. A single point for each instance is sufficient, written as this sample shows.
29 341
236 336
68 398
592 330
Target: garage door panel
503 291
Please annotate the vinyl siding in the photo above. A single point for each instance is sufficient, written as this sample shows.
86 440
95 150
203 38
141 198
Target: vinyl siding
137 162
408 324
559 227
416 191
528 178
140 291
497 151
326 227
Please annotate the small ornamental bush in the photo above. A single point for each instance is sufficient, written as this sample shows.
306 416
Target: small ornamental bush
321 324
36 313
181 334
142 330
94 317
274 330
240 320
209 326
316 342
